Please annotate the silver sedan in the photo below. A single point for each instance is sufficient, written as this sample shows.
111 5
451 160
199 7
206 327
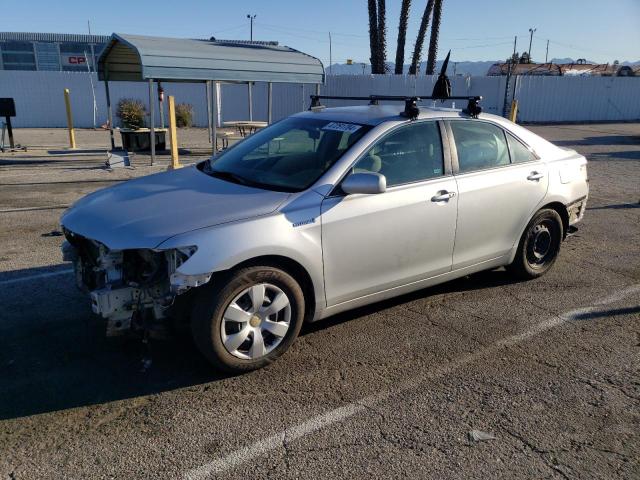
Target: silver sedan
319 213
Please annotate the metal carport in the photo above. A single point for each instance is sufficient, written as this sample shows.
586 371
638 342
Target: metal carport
152 59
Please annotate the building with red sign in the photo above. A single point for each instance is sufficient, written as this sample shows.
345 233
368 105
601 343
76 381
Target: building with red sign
50 51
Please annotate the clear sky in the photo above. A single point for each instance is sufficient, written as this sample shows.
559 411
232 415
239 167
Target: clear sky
601 31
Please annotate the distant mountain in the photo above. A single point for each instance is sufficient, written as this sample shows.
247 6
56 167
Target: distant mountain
460 68
478 68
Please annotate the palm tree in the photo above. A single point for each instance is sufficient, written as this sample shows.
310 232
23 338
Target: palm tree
382 37
433 42
417 49
402 35
373 35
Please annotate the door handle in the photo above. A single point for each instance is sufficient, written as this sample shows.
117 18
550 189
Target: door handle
534 176
443 196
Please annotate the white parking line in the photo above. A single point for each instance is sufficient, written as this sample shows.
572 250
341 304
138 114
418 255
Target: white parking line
35 277
279 440
27 209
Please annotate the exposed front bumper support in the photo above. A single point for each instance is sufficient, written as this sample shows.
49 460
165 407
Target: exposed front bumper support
576 210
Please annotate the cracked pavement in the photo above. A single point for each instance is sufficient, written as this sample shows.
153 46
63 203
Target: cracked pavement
409 377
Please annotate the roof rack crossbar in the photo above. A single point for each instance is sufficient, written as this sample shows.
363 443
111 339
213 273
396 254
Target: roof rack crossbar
411 110
399 98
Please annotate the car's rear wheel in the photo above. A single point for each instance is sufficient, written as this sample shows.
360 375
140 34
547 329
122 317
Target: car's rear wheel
248 318
539 245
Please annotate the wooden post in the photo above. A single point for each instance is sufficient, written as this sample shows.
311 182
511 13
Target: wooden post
72 135
152 130
269 102
514 111
109 110
250 93
173 135
208 92
214 113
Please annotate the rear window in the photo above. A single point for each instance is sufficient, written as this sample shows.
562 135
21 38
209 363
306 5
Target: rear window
519 152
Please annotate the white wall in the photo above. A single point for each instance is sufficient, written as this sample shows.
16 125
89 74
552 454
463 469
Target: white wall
40 103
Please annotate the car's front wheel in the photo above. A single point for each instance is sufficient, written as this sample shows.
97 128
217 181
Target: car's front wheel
248 318
539 245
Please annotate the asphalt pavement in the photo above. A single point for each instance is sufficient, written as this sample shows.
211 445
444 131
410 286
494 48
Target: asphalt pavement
546 371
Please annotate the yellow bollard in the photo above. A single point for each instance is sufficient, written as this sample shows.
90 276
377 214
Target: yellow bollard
72 134
173 135
514 111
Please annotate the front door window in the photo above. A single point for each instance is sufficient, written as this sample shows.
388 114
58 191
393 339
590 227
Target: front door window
409 154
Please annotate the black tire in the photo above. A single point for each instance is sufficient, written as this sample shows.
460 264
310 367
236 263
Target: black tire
539 245
212 301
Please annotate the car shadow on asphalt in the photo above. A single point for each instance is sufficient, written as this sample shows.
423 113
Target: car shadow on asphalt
482 280
614 139
615 155
617 206
612 312
55 358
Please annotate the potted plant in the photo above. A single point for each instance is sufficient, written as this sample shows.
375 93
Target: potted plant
135 137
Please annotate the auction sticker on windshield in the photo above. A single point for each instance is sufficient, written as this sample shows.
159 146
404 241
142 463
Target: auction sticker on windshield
341 127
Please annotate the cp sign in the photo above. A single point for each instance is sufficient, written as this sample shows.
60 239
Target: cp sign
73 60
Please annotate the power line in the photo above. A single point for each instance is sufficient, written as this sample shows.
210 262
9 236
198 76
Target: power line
581 49
478 38
244 25
480 46
292 32
282 32
306 30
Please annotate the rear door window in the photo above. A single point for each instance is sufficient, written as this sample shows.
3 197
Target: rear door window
480 145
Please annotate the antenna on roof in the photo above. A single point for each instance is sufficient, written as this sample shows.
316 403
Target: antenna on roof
442 88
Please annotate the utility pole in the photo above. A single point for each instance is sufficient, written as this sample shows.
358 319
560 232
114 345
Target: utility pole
249 86
546 55
89 66
509 70
93 91
251 17
93 53
330 61
531 31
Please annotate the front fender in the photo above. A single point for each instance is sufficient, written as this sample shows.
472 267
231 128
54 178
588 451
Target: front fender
293 232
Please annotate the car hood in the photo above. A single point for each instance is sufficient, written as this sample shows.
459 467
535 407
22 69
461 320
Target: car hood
144 212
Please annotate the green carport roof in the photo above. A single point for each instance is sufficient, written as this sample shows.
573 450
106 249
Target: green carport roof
139 58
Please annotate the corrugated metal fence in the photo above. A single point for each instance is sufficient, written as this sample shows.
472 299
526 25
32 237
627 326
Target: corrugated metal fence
562 99
40 103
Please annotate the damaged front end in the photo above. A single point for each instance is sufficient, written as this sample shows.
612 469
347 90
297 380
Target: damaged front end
132 289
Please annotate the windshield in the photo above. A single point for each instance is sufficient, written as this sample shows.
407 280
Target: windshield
287 156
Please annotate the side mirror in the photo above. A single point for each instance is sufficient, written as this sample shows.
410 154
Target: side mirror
368 182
